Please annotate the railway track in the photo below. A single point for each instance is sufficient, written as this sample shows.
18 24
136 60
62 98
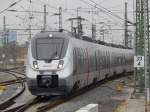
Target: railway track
20 77
55 101
14 68
14 81
10 101
62 100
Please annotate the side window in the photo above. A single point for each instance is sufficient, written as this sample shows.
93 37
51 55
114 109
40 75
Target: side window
93 61
99 63
79 60
102 59
108 59
96 59
87 60
75 61
82 61
105 60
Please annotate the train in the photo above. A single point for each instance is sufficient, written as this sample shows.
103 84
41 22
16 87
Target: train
58 63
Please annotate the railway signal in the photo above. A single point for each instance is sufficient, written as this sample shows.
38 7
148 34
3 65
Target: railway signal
139 61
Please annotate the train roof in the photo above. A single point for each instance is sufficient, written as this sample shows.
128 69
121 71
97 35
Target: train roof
68 35
44 34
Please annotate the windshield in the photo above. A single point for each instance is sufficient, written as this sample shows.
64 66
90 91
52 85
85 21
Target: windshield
49 48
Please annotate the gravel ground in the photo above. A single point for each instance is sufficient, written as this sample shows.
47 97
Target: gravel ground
103 95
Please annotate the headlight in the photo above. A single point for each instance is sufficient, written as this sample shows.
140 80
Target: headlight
61 63
35 64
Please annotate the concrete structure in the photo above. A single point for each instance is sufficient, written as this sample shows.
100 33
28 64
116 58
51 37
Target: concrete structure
89 108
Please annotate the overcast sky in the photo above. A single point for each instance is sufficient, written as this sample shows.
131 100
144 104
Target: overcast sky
20 20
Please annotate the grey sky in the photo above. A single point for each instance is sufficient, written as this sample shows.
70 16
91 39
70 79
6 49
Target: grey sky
20 20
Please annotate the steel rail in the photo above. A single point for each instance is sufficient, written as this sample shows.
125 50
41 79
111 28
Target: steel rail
10 101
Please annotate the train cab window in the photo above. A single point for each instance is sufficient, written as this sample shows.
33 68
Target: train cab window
49 48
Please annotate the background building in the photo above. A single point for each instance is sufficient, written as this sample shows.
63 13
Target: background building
8 37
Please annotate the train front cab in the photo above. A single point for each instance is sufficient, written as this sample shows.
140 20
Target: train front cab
44 77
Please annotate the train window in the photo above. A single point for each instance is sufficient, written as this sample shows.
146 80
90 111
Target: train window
96 61
114 60
79 61
82 60
102 59
108 60
90 62
47 49
85 62
74 61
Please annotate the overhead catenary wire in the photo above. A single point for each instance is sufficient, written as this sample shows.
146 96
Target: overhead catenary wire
65 10
107 11
53 7
102 10
13 4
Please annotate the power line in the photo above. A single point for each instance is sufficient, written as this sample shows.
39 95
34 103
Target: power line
108 14
53 7
10 6
108 11
49 5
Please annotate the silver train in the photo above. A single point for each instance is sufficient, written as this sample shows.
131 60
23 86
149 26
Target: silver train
58 63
